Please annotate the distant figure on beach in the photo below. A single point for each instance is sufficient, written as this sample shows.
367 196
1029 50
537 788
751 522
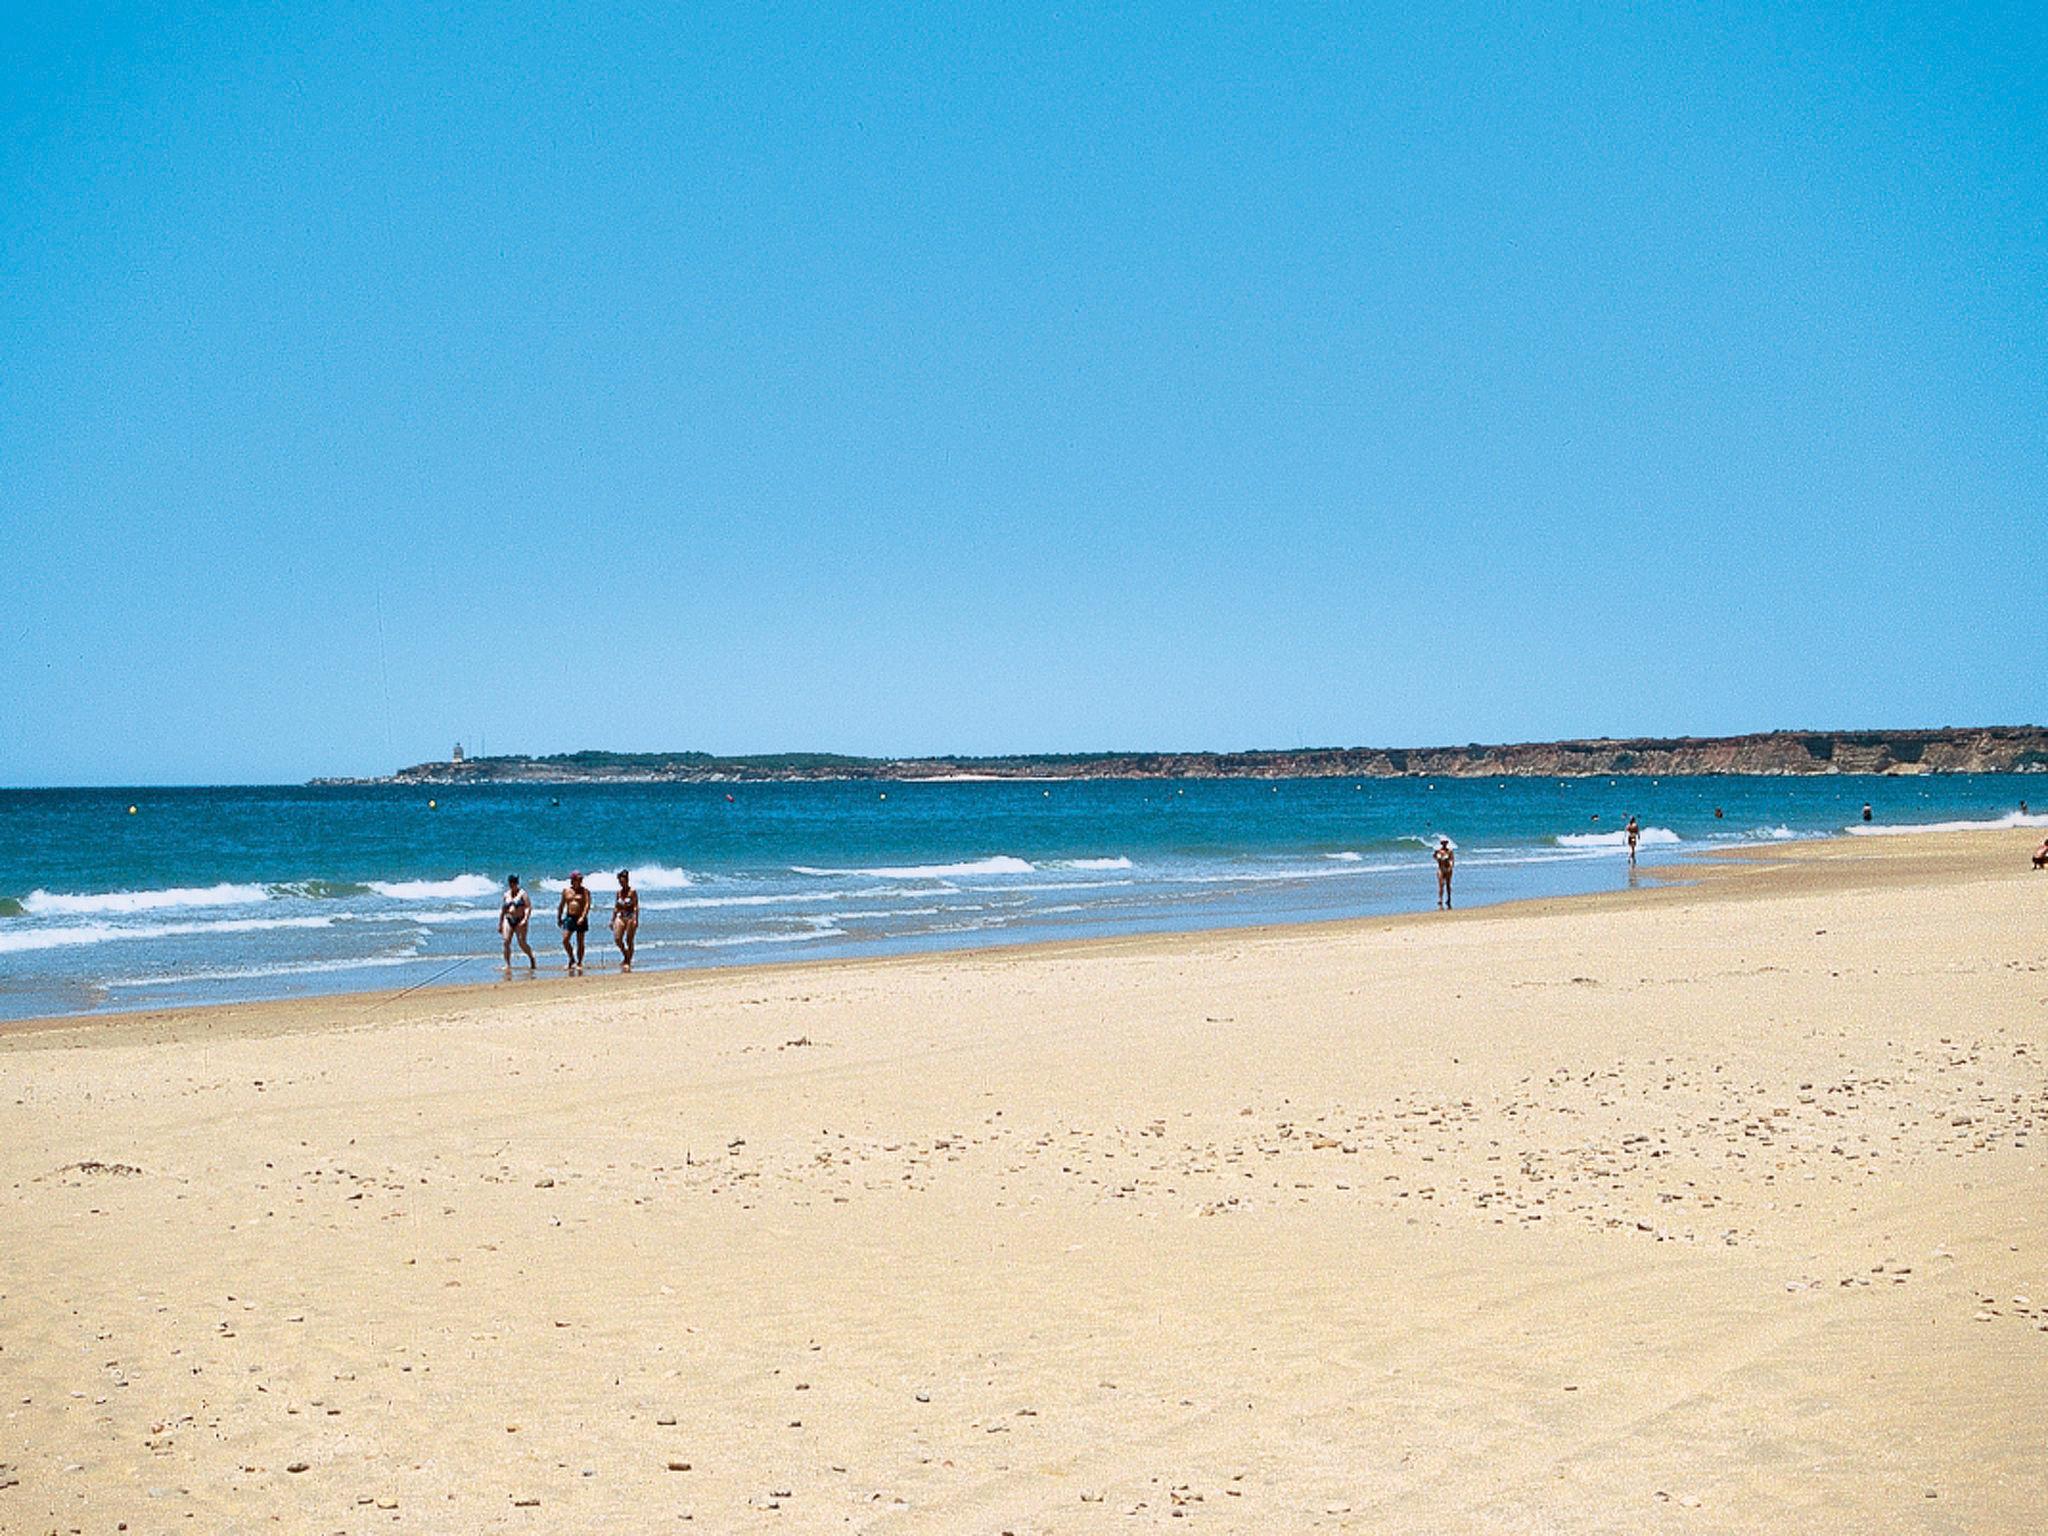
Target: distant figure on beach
572 916
513 914
1446 859
625 919
2041 855
1635 832
1866 810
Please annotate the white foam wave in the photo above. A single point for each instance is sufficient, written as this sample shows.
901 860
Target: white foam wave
253 972
740 940
1118 863
58 904
107 933
1001 864
698 903
1346 857
646 877
436 890
1899 829
1651 837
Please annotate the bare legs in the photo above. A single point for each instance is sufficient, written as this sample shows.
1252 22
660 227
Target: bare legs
623 935
511 933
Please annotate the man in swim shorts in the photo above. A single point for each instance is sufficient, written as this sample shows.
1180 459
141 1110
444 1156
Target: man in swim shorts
572 916
625 919
1446 860
513 914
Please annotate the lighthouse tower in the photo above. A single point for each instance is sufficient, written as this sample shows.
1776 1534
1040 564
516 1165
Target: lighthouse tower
455 757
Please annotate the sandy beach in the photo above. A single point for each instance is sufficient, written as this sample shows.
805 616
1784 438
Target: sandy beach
1711 1206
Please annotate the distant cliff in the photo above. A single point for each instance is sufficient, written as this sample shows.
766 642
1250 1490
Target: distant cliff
1991 749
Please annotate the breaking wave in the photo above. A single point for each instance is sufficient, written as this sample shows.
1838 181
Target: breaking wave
1900 829
436 890
57 904
1651 837
1001 864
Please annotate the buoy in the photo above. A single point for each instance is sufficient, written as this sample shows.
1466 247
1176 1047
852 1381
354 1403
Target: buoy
433 805
131 810
728 800
883 795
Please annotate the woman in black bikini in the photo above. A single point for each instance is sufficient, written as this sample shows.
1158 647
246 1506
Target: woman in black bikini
625 920
513 913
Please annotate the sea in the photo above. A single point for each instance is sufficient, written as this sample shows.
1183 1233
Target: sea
119 900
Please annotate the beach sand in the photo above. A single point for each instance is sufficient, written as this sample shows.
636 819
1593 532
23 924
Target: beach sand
1704 1207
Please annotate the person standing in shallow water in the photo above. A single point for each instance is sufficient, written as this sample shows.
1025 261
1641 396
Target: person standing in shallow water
1446 861
625 919
572 916
513 914
1635 832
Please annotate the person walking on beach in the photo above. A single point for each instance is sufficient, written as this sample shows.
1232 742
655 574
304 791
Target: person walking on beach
625 919
572 916
1635 831
2041 855
1446 860
513 913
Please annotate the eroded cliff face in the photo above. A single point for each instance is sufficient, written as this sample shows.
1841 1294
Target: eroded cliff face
1992 749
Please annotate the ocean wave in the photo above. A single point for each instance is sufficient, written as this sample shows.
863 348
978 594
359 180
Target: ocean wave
1037 887
1348 856
321 890
107 933
700 903
255 972
436 890
58 904
1001 864
741 940
646 877
1899 829
1117 863
1651 837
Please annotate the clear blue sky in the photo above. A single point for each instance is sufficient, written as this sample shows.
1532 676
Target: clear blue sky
979 378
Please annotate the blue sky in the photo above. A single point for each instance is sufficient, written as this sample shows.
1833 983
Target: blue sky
937 378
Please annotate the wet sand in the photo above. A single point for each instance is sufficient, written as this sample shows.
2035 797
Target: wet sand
1711 1206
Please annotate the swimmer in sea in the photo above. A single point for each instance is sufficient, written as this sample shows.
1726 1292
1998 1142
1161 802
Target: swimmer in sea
1866 810
572 916
513 913
625 920
1446 860
1634 832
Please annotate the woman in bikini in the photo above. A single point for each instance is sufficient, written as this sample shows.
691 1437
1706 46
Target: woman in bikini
625 920
513 913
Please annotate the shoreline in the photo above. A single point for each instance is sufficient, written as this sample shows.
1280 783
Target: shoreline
1717 871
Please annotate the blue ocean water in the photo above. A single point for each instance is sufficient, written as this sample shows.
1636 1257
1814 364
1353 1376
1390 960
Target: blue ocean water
206 895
